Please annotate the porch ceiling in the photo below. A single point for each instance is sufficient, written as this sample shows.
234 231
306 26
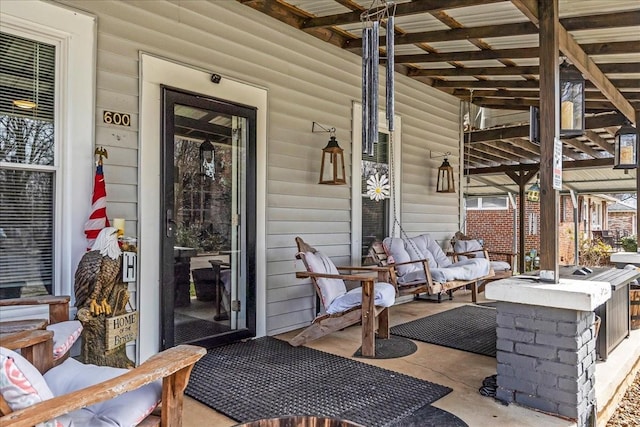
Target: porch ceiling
486 52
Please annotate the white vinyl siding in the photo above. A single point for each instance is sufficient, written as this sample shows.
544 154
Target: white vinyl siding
307 80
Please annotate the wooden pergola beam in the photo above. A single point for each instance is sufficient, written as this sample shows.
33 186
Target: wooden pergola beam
402 9
599 141
613 48
574 23
579 57
567 164
509 71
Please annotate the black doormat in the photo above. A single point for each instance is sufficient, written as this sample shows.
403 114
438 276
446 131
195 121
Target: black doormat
267 377
188 328
390 348
469 328
430 416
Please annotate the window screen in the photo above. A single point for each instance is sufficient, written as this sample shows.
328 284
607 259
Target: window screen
27 172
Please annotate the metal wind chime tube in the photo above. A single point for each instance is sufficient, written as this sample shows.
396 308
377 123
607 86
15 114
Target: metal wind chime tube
371 20
366 37
375 84
390 82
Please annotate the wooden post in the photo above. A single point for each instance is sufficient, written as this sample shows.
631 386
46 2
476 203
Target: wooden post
549 130
637 179
368 320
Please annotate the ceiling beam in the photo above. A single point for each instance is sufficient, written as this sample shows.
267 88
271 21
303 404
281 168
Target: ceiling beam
579 56
464 94
633 67
522 131
612 48
567 164
600 141
575 23
524 84
296 17
402 9
574 142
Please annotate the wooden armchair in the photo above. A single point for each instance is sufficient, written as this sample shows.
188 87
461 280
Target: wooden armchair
342 308
65 331
172 366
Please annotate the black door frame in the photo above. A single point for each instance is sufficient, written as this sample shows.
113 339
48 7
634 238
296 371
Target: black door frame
171 97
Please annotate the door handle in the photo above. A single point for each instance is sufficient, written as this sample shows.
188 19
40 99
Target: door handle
170 223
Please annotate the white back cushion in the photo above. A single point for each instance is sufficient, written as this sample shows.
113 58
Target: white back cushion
330 289
468 246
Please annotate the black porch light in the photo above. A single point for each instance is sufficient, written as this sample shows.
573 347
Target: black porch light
445 183
626 147
333 160
206 159
571 101
533 193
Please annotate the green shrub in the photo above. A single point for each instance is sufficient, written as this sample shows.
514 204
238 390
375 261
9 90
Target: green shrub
629 243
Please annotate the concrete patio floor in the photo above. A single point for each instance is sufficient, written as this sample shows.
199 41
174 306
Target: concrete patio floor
463 372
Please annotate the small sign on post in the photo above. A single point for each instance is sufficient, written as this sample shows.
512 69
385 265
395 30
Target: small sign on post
129 266
121 329
557 164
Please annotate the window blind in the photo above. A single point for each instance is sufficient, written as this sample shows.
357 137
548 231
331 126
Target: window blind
27 167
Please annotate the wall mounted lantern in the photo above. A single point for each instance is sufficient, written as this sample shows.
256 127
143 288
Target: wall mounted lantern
626 147
207 167
445 182
571 101
533 193
332 166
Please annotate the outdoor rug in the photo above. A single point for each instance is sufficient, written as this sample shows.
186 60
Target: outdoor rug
469 328
189 328
267 377
390 348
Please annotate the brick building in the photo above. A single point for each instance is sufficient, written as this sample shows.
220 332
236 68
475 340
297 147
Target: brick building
492 219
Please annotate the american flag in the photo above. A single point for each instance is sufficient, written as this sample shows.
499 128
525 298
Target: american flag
98 218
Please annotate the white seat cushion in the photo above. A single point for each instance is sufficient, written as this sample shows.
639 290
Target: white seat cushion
384 296
125 410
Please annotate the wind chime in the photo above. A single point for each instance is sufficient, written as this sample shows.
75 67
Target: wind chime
380 13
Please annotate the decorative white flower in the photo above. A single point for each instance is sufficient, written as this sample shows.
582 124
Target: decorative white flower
378 187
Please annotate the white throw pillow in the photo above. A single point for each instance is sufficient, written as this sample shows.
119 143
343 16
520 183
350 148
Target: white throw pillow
330 289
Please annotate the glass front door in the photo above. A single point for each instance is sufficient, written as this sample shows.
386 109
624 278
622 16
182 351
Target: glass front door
208 250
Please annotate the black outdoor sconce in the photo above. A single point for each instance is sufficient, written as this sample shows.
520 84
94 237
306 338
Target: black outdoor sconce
626 147
571 101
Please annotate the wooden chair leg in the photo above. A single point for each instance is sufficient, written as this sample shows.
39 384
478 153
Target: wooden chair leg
383 324
474 292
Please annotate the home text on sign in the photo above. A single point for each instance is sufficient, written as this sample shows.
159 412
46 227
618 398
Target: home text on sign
121 329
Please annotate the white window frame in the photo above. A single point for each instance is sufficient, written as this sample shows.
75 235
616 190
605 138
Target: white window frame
74 35
395 163
480 207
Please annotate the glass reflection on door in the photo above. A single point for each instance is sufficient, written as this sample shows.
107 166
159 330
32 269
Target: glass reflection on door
208 216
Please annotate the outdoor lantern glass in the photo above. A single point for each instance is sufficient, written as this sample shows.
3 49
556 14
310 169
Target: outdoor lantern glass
571 101
206 159
626 148
332 166
533 193
445 182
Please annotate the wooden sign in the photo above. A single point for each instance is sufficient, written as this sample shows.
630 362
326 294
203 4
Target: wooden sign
121 329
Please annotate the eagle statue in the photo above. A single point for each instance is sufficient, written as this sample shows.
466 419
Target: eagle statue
97 273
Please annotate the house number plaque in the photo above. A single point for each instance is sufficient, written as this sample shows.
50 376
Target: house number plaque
114 118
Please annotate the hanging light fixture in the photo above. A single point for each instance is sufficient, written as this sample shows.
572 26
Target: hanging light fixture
332 159
626 147
533 193
207 166
571 101
445 183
